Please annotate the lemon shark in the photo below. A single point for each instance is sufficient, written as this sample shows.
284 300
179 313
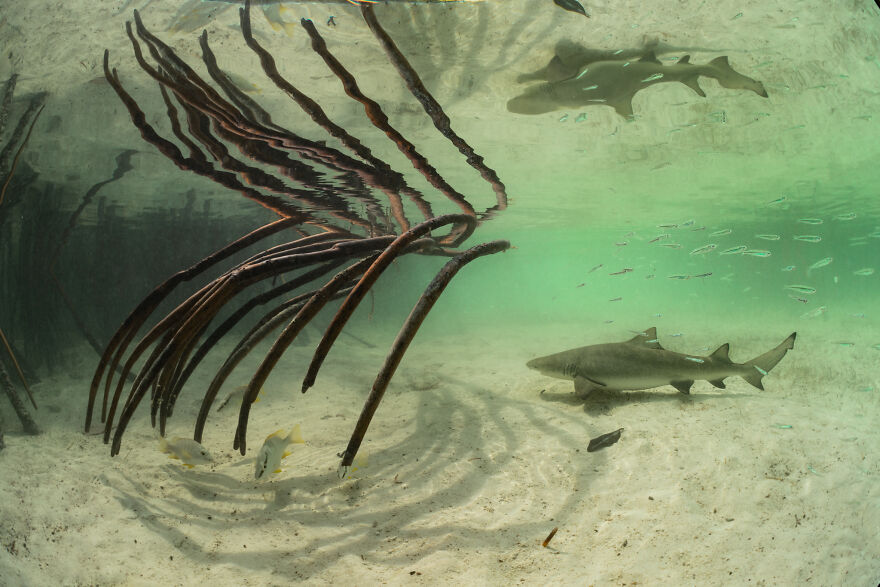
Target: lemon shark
641 363
615 81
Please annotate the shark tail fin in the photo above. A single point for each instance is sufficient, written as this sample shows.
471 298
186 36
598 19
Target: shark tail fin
729 78
761 365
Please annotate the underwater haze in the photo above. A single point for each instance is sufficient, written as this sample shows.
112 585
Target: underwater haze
197 196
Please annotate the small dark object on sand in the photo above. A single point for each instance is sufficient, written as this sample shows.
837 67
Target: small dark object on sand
549 537
605 440
573 6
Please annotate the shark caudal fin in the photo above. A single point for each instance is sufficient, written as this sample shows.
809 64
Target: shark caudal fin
728 78
761 365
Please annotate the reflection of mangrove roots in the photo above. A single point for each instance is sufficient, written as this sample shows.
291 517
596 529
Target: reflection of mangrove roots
346 237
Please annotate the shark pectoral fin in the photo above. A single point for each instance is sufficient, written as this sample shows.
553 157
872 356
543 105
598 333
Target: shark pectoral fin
682 386
719 383
624 107
584 386
694 84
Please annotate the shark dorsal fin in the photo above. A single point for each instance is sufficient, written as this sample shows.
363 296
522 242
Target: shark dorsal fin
721 353
647 338
684 60
650 57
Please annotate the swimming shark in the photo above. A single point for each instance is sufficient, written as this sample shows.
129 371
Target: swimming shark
614 82
641 363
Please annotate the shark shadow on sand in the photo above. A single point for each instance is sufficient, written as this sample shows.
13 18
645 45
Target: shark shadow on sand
578 76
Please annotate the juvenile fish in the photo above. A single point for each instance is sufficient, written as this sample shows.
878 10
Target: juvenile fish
848 216
604 441
814 313
820 263
864 272
812 221
659 238
704 249
707 274
622 271
808 238
273 450
187 450
734 250
804 289
768 237
756 253
721 232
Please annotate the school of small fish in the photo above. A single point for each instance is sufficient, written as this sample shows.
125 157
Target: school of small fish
803 256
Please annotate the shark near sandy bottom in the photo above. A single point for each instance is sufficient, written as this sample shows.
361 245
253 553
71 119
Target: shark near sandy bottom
641 363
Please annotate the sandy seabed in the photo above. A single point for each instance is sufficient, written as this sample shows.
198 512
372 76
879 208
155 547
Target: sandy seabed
469 467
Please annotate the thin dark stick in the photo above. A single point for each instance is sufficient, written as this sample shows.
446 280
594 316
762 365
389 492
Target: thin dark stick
30 427
17 368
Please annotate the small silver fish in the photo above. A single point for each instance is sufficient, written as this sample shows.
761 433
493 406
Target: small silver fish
768 237
721 232
808 238
820 263
734 250
622 271
670 245
700 275
678 276
596 267
788 268
814 313
581 117
659 237
778 200
651 78
756 253
847 216
804 289
704 249
812 221
864 272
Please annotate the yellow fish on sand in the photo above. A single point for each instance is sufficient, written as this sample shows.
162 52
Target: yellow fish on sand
187 450
274 449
